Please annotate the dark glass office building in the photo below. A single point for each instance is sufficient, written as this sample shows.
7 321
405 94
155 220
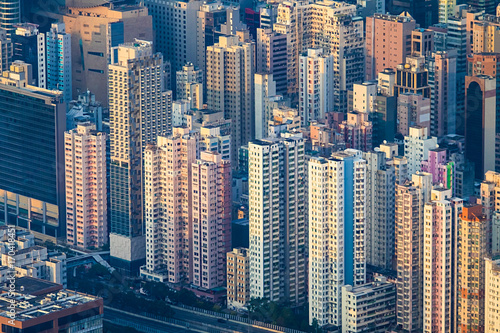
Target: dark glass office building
32 124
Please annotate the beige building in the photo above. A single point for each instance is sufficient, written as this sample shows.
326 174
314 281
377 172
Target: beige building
94 31
230 87
86 199
271 56
189 83
492 296
238 277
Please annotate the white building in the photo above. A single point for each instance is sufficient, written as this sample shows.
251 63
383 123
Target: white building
86 187
265 87
380 187
337 212
30 259
315 85
58 61
189 83
369 307
135 74
417 146
277 219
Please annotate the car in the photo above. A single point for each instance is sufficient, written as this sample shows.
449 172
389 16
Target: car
222 320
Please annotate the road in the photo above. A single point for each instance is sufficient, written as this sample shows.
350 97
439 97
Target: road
197 322
195 317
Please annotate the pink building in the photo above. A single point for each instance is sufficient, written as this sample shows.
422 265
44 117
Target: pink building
211 219
85 156
442 170
357 131
413 110
440 220
187 211
388 42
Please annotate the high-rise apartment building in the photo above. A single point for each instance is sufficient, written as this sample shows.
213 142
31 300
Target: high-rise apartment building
388 42
442 69
86 187
10 14
58 61
209 19
440 222
491 295
331 26
316 77
412 77
486 6
410 200
422 42
32 126
277 219
6 51
238 277
139 109
175 24
480 122
337 218
271 56
169 253
380 187
189 83
357 131
230 87
265 91
413 110
94 31
211 228
472 249
26 46
417 146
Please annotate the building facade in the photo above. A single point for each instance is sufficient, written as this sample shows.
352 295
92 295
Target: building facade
140 110
58 61
337 217
86 187
238 277
417 146
277 219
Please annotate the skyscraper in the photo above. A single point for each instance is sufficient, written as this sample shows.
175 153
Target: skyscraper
230 87
139 112
315 85
10 14
26 45
265 90
271 57
410 200
86 187
440 222
94 31
380 187
480 122
442 69
175 25
277 219
472 249
337 215
169 252
6 51
32 125
58 61
387 42
492 292
425 12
